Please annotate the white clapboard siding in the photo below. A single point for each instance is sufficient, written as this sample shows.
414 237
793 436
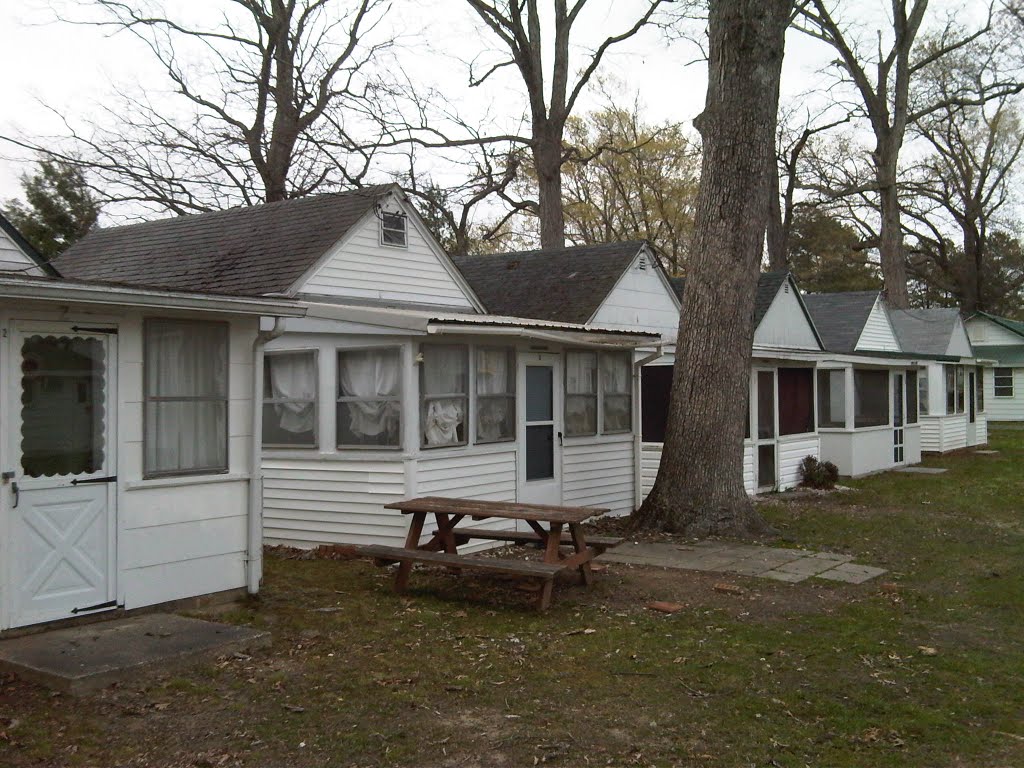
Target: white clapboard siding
599 472
641 300
13 259
749 478
308 502
1004 408
360 267
650 460
785 324
931 434
878 334
791 452
980 430
983 331
954 432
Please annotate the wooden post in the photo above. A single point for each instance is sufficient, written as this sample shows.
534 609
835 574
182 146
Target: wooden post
580 545
412 541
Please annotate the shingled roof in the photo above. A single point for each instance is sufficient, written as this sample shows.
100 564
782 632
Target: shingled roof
247 251
925 331
840 317
26 247
564 284
768 285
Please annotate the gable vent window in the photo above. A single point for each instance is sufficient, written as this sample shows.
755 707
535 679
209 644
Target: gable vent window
392 229
642 263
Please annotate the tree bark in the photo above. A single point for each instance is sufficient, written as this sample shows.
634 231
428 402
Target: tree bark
778 248
547 159
699 489
890 241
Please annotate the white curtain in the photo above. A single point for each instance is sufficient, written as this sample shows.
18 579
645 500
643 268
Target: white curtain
581 393
615 374
445 372
186 360
293 378
493 377
371 375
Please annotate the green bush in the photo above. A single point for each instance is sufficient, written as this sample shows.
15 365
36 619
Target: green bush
818 474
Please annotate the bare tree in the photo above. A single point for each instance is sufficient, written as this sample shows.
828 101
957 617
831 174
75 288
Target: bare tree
699 489
883 79
518 26
267 93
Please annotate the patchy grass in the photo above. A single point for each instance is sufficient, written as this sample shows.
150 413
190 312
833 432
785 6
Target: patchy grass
463 673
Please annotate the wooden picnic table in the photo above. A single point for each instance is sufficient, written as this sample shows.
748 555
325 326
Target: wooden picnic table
547 525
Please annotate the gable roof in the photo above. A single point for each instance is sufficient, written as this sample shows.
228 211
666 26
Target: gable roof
248 251
768 285
925 331
1013 326
840 317
560 284
26 247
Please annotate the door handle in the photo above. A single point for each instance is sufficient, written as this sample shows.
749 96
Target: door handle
17 495
560 438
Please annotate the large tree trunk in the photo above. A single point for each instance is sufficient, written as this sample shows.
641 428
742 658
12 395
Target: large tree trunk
547 159
699 490
890 240
778 247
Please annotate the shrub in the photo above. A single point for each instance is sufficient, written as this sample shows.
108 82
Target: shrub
818 474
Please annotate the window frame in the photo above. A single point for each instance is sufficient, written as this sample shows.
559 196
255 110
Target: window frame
399 397
469 424
628 394
887 398
315 445
475 398
813 400
923 393
911 416
979 389
961 389
384 215
995 381
823 392
225 326
949 375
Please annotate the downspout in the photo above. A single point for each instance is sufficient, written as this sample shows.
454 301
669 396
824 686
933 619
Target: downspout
254 554
638 491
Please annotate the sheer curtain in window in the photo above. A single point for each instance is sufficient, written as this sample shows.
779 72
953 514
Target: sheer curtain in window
581 393
293 379
495 389
616 370
444 380
186 396
373 376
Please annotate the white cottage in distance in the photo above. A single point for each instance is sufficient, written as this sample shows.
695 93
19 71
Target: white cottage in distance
126 442
396 382
1000 340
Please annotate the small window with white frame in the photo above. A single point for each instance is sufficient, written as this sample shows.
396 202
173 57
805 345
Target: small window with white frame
495 394
393 226
289 399
1002 381
369 405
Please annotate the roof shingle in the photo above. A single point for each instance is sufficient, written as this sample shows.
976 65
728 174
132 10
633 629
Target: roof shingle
840 317
247 251
925 331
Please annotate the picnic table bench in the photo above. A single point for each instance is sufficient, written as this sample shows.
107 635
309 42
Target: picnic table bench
546 522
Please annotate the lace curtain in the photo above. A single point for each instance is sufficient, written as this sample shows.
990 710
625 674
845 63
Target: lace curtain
292 386
444 380
581 393
370 407
615 380
495 389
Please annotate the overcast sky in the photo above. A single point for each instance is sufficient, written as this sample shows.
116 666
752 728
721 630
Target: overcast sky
51 66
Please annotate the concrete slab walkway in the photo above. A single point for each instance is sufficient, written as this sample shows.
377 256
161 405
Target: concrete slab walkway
80 659
780 564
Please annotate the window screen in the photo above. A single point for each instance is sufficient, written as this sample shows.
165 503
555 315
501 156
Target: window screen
655 391
392 229
580 393
960 389
444 394
870 398
616 395
495 394
912 393
796 401
979 387
922 392
950 371
1003 380
832 398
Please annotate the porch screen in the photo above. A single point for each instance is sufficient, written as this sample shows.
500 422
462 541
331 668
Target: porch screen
580 393
444 392
832 398
979 388
655 391
912 393
186 397
495 394
369 408
617 402
796 401
922 392
960 389
289 398
870 398
950 371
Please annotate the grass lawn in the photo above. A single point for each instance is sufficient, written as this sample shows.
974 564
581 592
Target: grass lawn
462 672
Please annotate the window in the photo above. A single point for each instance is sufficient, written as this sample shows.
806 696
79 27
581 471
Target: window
495 394
369 406
796 401
392 229
922 392
765 405
616 399
979 388
832 398
912 395
960 389
289 399
950 371
870 398
1002 379
580 393
185 417
655 391
444 395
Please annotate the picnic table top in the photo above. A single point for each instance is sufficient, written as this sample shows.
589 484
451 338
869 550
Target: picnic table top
506 509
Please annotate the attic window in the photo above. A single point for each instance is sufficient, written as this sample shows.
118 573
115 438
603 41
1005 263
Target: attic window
641 263
392 229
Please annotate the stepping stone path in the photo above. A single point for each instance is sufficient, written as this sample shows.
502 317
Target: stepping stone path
922 470
779 564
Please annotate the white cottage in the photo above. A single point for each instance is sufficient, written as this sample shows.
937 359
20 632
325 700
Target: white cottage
126 449
952 387
396 383
868 414
1000 340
